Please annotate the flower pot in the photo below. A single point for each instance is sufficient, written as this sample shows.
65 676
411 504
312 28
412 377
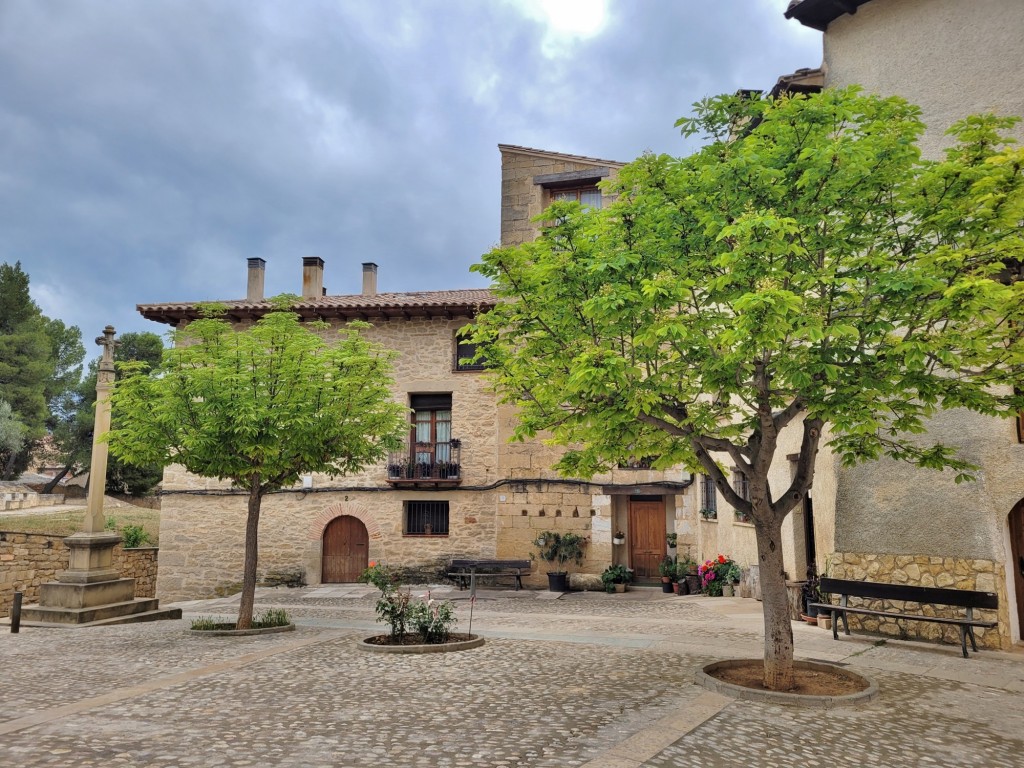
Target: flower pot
618 540
620 587
666 584
727 590
558 582
692 583
810 610
677 587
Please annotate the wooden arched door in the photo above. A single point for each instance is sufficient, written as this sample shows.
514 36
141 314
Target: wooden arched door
346 550
1017 555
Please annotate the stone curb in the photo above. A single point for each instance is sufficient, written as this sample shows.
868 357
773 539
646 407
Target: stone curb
239 632
463 645
704 679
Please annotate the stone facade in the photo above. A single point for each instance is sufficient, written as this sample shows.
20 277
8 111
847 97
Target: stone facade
28 560
528 177
508 494
926 571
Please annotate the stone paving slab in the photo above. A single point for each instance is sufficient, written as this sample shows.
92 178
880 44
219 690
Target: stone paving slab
594 681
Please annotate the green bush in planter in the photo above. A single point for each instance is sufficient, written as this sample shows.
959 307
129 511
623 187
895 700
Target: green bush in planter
615 574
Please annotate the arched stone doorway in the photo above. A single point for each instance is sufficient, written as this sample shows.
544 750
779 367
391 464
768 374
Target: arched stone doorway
1016 563
345 550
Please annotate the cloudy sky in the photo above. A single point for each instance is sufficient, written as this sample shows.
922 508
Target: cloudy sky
148 148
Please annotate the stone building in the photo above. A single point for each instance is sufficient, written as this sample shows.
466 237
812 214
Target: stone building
459 489
885 520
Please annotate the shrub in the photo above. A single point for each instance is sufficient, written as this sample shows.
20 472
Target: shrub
133 536
432 619
615 574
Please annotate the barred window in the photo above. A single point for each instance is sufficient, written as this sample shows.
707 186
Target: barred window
708 498
426 518
465 351
741 484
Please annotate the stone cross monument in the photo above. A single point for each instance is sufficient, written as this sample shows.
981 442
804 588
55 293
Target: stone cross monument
92 591
94 518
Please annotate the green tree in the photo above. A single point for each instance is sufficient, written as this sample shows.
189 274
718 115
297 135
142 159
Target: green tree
40 359
73 417
259 407
806 270
12 431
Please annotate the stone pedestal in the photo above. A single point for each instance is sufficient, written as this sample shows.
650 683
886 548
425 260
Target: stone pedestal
91 591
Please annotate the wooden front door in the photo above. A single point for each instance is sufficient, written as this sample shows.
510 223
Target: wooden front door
346 550
646 537
1017 566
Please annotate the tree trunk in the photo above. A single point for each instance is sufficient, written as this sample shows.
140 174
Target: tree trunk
778 632
53 483
252 525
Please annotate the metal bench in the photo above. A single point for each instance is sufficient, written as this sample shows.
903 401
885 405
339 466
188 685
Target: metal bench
959 598
461 571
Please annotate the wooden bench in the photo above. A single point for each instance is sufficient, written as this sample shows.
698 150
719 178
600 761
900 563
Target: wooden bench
463 570
958 598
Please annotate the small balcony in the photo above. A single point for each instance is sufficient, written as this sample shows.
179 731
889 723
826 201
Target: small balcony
426 464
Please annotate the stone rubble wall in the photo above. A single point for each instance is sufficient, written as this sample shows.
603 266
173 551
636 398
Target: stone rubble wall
926 571
28 560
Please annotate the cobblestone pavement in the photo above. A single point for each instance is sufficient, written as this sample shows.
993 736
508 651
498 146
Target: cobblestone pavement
587 680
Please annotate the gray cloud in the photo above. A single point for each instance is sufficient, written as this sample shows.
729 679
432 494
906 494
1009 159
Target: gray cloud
147 149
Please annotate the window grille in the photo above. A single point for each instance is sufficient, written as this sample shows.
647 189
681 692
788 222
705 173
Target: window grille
426 518
465 351
708 498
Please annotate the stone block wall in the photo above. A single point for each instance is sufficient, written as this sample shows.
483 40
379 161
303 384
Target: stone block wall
28 560
522 200
927 571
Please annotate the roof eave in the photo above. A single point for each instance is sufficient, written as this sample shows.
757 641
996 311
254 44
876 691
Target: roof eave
818 14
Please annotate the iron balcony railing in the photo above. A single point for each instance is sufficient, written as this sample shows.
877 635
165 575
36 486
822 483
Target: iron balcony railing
426 463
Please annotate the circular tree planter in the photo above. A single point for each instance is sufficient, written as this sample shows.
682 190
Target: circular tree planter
461 643
838 687
228 630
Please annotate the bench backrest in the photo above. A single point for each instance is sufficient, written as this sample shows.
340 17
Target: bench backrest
965 598
523 564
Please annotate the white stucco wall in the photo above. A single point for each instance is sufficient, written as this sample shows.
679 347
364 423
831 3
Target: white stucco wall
950 57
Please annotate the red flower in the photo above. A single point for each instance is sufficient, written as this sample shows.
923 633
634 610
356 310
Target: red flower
721 558
373 564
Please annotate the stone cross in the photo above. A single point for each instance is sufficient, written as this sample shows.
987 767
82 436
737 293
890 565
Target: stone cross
94 518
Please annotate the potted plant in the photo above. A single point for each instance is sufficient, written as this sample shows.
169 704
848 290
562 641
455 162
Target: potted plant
708 514
559 549
810 593
670 540
667 571
717 574
616 577
619 538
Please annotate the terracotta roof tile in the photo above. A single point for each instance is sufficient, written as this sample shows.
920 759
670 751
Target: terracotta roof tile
412 304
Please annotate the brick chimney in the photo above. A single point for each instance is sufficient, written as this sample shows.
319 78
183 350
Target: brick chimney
369 278
254 287
312 277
